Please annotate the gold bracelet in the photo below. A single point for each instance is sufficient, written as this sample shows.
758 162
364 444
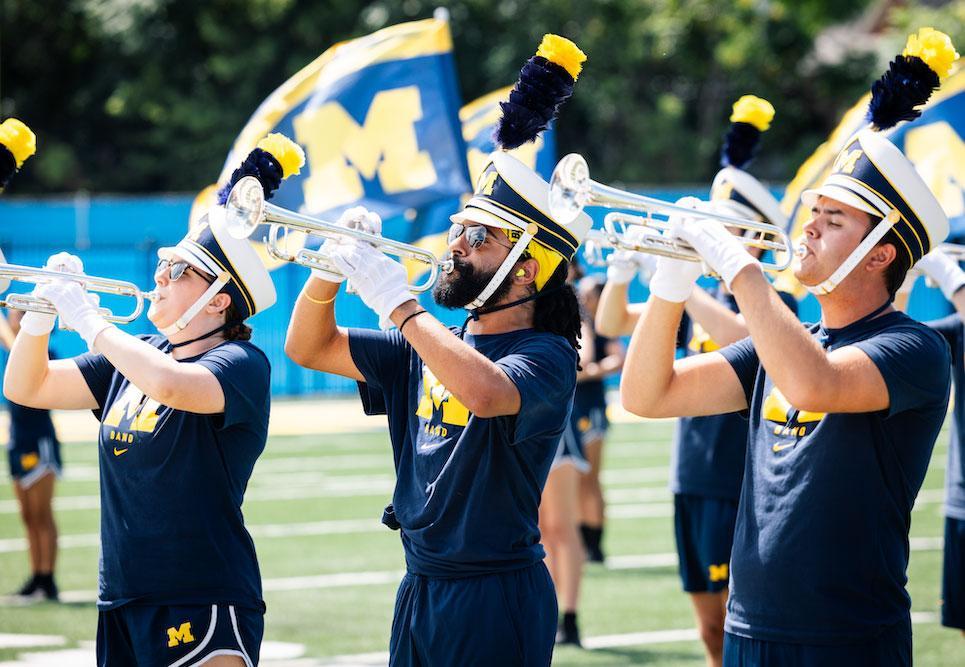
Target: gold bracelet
318 301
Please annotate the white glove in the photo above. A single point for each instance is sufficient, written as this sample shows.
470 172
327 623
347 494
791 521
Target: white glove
624 264
41 324
674 279
357 217
77 309
943 271
721 251
379 280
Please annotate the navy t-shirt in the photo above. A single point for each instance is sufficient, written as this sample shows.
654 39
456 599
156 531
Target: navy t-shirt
707 458
468 489
592 393
821 545
951 328
172 484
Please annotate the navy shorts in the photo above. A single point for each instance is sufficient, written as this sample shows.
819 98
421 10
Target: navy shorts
953 574
504 619
177 636
705 535
32 458
590 416
890 649
570 450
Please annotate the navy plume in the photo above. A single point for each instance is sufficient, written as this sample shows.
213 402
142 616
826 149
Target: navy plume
8 166
542 87
907 84
260 164
740 145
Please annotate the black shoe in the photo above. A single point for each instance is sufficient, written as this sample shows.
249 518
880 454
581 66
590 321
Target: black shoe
592 540
30 589
567 632
47 587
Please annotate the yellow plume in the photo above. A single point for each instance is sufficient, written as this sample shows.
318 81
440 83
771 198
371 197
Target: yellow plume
290 155
753 110
563 52
935 48
18 139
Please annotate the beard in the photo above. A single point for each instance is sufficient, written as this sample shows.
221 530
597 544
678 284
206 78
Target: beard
460 287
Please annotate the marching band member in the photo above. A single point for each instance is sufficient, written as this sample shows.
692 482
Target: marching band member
184 417
600 360
707 461
33 450
474 420
843 415
945 272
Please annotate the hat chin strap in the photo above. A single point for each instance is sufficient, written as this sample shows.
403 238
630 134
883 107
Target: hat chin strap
848 265
504 268
196 307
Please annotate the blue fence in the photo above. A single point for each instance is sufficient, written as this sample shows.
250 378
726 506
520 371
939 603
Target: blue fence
118 238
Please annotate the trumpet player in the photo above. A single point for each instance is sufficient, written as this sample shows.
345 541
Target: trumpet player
842 415
944 271
707 461
475 415
183 418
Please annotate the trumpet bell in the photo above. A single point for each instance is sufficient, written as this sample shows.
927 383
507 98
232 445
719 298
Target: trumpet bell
245 207
569 188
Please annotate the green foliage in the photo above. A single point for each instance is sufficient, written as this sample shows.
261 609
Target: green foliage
147 95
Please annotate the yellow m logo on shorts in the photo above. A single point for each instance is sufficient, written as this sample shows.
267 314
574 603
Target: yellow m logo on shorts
181 635
718 572
384 146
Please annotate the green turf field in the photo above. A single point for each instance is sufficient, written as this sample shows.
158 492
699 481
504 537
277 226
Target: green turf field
330 568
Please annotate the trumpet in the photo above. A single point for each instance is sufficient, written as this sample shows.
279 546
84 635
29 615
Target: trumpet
246 209
595 243
571 190
31 303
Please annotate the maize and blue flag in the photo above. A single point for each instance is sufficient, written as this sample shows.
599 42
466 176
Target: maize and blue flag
378 117
934 142
428 227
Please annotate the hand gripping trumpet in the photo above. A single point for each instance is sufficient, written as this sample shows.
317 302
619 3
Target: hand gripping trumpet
31 303
571 190
247 209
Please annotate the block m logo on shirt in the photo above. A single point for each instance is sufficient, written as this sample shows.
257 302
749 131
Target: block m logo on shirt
439 407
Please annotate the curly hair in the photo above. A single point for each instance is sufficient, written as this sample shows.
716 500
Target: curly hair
558 310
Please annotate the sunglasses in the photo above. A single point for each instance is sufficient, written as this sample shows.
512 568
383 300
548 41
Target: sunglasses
475 234
175 269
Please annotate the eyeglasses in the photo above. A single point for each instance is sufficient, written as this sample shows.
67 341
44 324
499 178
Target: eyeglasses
475 235
175 269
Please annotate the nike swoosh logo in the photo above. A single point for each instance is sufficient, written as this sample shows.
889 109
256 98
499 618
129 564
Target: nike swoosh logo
774 448
118 452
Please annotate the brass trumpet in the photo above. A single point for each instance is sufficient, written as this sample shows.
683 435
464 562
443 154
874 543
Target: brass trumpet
31 303
246 209
571 190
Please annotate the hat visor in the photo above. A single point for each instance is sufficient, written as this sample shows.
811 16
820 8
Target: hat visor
481 217
838 194
169 252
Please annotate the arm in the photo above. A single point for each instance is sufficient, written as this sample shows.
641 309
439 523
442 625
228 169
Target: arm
183 386
32 379
654 385
722 324
605 367
844 380
314 340
6 333
475 381
614 315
